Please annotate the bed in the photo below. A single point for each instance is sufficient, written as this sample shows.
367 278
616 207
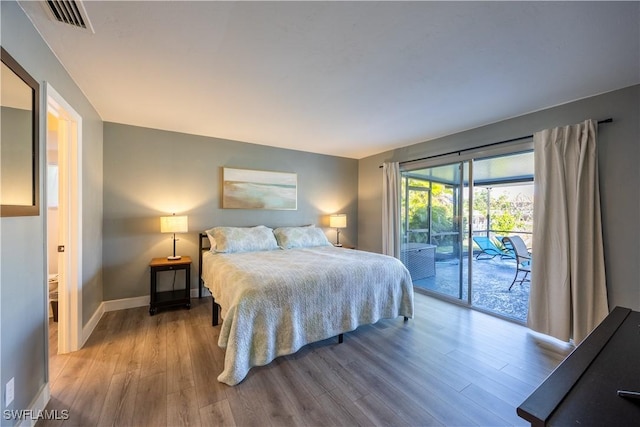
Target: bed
278 290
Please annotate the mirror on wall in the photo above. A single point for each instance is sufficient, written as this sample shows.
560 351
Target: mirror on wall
19 181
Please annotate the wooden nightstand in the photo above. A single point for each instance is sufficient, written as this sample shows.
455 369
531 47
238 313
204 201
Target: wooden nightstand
173 297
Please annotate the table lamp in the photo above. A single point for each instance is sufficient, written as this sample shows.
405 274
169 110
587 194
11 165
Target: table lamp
338 221
174 224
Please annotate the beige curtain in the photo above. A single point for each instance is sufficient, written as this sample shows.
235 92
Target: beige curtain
568 288
391 209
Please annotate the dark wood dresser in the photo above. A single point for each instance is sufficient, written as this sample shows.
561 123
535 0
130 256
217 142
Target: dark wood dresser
582 390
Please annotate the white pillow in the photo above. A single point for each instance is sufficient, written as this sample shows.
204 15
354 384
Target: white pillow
243 239
300 237
212 240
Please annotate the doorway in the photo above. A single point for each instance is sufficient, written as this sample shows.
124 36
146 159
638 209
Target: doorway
64 222
454 216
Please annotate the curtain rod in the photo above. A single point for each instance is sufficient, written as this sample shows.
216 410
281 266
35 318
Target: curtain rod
609 120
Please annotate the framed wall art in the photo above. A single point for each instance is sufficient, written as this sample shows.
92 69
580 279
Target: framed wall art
20 161
254 189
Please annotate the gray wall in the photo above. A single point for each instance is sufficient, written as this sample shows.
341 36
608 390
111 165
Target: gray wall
149 173
619 157
23 313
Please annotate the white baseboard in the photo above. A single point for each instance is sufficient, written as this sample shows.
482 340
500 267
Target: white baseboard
37 407
125 303
87 330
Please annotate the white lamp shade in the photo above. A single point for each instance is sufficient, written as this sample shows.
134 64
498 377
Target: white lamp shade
174 224
338 221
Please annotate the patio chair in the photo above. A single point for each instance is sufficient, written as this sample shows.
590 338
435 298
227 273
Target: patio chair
489 250
523 258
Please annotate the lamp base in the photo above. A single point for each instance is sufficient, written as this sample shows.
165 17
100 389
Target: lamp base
174 257
337 245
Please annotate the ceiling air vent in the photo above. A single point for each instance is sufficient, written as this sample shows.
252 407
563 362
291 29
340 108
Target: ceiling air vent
70 12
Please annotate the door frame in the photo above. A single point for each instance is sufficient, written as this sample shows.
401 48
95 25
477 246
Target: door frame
70 222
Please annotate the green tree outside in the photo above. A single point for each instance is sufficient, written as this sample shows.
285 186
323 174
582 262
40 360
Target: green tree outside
508 213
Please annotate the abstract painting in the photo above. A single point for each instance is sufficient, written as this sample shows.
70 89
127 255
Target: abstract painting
253 189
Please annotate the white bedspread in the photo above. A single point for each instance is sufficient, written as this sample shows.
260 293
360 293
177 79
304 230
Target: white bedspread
274 302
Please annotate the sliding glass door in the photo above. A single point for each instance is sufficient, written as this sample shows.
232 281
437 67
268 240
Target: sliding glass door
454 216
503 207
432 228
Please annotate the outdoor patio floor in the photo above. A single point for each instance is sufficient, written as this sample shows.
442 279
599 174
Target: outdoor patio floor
491 280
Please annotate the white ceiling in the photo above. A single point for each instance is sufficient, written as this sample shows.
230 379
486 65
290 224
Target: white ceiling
349 79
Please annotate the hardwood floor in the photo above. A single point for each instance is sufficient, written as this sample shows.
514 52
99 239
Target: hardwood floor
447 366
